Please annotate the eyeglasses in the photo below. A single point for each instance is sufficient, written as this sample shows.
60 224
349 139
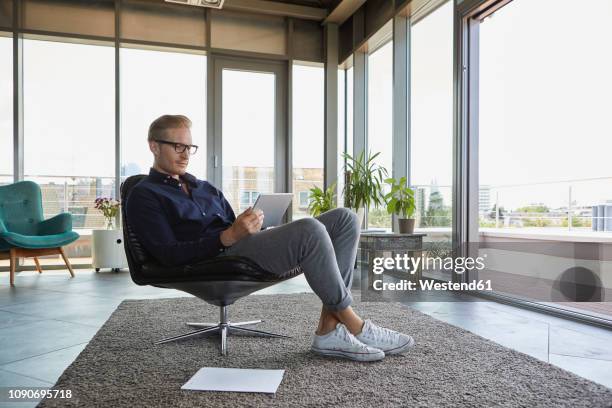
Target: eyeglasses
179 147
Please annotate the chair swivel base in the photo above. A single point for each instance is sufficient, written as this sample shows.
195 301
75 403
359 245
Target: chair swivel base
224 328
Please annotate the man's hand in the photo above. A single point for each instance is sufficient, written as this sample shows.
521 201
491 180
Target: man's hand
247 223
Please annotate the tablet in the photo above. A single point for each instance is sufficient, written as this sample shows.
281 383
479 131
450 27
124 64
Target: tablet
274 206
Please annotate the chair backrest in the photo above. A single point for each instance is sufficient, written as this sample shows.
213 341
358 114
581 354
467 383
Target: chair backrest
135 253
21 207
145 270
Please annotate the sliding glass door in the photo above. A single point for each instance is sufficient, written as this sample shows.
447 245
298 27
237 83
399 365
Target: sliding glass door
538 136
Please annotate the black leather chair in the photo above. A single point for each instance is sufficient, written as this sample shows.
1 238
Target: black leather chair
219 281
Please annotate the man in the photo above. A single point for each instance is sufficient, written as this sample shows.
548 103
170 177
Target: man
180 219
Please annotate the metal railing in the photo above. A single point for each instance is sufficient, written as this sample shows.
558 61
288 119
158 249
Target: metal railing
572 204
74 194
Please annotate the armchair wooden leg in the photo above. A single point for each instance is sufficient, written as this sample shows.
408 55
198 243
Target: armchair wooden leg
13 257
38 268
66 261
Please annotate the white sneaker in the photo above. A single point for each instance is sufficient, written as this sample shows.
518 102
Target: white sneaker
389 341
341 343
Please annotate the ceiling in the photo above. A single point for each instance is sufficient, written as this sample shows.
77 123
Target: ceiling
326 4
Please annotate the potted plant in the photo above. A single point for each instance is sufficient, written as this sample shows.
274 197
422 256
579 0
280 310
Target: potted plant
107 244
400 201
321 201
363 183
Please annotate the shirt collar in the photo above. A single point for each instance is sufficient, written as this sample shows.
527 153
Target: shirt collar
163 178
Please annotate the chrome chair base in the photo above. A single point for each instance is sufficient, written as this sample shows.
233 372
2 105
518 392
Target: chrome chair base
224 328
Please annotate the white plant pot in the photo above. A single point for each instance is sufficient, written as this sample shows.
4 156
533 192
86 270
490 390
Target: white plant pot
360 214
107 249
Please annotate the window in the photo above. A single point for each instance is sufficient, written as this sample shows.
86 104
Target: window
432 117
303 199
544 142
247 199
308 132
6 114
431 121
6 110
380 111
248 133
341 135
544 158
349 127
69 122
349 111
154 83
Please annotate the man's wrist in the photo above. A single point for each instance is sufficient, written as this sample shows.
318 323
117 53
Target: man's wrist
227 238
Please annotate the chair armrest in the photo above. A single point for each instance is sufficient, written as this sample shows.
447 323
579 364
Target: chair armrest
56 225
3 229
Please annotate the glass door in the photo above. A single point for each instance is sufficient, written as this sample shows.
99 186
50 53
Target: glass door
539 174
250 131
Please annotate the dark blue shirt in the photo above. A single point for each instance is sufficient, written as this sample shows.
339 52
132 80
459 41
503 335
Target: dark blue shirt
175 228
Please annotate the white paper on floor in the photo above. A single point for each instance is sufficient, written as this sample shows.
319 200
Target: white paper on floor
235 379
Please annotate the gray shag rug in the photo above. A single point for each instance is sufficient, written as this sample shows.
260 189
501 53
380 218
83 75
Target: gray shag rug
448 367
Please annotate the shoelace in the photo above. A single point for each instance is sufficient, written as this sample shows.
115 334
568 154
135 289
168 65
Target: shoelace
347 336
381 333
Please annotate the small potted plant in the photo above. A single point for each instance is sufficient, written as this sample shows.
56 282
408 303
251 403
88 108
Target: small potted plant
400 201
321 201
363 183
107 244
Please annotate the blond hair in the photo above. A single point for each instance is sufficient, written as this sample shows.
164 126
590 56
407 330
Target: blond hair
157 129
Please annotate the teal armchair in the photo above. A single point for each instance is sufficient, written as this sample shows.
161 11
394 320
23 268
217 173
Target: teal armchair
23 230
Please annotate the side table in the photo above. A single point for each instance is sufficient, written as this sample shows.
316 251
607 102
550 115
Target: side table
381 244
107 250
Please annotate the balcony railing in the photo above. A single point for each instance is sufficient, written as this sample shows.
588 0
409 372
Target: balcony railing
73 194
574 205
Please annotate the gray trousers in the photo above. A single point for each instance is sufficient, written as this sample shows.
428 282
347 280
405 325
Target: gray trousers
323 247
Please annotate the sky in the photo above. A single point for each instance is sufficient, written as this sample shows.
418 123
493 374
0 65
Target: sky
431 112
545 98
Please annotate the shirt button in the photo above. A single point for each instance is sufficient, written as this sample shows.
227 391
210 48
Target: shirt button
203 213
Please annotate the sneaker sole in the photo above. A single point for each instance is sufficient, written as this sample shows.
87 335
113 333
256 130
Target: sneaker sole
401 349
349 355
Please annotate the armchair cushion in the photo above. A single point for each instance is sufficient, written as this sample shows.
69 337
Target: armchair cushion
220 268
56 225
39 241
